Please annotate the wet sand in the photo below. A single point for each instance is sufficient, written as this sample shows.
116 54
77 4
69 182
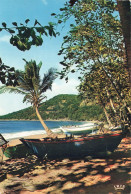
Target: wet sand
87 176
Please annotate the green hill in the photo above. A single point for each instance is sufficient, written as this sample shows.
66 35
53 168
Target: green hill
63 106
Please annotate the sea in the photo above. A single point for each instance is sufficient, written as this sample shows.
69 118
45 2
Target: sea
19 129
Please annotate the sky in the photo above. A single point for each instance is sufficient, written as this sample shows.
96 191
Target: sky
18 11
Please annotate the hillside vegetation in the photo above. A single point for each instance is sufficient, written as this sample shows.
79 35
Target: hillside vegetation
63 106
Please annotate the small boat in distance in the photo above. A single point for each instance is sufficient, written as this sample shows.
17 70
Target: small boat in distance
71 147
81 129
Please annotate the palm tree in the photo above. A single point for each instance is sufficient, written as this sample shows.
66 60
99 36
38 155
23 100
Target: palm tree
33 87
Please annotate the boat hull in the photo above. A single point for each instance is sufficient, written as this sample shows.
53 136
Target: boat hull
74 148
80 130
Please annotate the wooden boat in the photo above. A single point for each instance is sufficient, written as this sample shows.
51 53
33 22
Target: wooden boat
79 130
94 145
117 128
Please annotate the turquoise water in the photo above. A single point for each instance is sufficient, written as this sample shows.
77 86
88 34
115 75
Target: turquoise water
18 129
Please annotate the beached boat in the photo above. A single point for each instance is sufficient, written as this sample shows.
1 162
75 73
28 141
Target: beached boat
71 147
117 128
81 129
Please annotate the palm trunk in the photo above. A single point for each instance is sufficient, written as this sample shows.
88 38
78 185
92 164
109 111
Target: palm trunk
48 131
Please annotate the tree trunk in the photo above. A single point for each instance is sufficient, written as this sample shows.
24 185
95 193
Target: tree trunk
48 131
106 114
107 117
128 111
111 102
124 11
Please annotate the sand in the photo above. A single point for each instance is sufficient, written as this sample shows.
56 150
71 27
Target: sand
87 176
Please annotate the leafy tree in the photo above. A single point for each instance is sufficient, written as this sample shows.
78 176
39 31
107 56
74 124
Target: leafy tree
92 38
96 85
33 87
95 40
124 12
7 74
23 37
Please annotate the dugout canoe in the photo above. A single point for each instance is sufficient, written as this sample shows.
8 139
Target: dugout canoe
69 147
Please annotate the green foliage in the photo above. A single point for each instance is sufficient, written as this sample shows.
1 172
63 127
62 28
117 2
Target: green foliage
30 84
95 35
96 85
7 75
94 46
18 151
23 37
61 107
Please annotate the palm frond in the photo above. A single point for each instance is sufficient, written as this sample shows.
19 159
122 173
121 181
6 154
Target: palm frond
11 89
28 98
36 84
48 79
41 98
39 66
30 84
31 79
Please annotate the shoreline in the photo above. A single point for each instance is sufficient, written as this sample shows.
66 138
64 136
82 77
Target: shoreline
94 121
24 132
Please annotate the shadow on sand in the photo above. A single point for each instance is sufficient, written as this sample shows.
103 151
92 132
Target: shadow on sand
26 175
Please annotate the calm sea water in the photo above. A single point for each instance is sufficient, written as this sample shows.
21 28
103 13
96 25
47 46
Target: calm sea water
18 129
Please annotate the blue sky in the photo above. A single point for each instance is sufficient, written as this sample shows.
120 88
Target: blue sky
18 11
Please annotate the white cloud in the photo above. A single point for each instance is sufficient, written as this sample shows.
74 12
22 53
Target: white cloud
45 2
11 103
61 87
2 111
5 38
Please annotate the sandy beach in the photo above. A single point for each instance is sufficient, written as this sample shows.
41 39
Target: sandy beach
91 175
